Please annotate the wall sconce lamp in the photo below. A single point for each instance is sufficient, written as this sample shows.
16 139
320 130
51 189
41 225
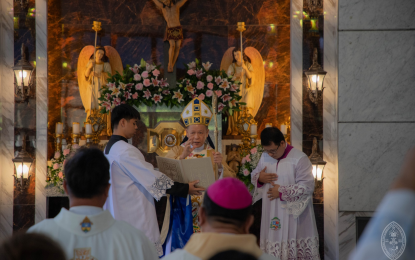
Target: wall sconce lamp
23 74
315 75
318 163
22 163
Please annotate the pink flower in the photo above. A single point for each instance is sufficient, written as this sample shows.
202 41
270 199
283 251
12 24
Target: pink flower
56 166
201 96
209 93
129 85
233 87
207 65
57 154
247 158
226 97
139 86
190 88
218 80
200 85
246 172
75 146
225 84
194 96
144 74
122 86
210 85
243 160
220 106
199 73
147 94
135 95
254 150
111 84
117 101
108 96
166 92
60 175
178 95
233 103
156 72
107 105
147 82
191 72
163 83
192 65
115 92
155 82
137 77
219 93
66 152
209 78
157 98
127 95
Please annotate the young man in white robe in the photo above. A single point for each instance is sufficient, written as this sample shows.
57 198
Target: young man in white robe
283 179
225 218
134 182
86 231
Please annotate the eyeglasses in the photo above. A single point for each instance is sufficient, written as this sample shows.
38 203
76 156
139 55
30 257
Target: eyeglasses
272 151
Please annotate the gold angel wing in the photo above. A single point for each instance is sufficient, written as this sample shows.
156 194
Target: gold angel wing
115 60
83 59
227 59
257 81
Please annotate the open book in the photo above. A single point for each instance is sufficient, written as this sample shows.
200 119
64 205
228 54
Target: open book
185 171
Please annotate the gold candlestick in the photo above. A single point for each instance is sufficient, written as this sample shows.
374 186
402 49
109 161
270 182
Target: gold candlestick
58 142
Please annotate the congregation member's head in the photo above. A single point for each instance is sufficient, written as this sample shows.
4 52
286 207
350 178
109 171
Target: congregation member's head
30 246
87 175
124 120
226 208
273 142
232 255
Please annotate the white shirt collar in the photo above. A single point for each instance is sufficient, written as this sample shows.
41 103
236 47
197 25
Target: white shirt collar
86 210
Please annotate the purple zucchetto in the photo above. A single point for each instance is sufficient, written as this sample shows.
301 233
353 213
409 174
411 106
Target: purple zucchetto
230 193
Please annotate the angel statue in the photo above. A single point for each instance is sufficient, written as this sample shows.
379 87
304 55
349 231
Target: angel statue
93 74
249 70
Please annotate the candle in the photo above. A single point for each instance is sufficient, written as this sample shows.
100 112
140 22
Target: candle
88 129
284 129
75 128
253 129
59 128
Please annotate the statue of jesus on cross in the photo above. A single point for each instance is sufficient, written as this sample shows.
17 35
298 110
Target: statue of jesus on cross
174 31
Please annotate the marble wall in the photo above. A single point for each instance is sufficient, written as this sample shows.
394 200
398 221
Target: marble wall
6 118
136 30
375 101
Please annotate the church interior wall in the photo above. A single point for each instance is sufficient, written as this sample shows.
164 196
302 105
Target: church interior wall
375 105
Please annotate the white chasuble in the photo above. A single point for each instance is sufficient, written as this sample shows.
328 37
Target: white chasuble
96 236
288 226
134 186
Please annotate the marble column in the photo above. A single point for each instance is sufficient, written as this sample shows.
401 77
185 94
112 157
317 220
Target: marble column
330 136
6 117
41 109
296 74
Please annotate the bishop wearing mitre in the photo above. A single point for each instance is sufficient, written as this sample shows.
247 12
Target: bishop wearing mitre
183 212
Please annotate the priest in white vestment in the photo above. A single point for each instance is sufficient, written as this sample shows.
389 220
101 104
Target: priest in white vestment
86 231
224 218
284 181
134 182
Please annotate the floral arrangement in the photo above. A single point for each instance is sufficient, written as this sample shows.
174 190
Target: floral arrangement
56 174
249 163
140 85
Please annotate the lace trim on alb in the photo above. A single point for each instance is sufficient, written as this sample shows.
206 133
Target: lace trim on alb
296 198
293 249
159 187
159 248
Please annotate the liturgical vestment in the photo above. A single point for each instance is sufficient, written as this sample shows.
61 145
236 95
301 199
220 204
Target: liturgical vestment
134 186
87 232
203 246
288 226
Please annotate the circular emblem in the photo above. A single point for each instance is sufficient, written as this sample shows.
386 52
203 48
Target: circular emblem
170 140
275 224
393 240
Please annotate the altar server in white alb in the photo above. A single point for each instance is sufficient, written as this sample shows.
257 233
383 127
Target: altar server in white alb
134 182
86 231
284 181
